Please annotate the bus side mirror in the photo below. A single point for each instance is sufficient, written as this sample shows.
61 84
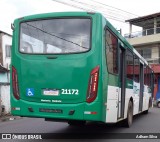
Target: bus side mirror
12 26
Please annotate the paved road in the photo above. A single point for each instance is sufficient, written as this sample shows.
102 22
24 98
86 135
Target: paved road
149 123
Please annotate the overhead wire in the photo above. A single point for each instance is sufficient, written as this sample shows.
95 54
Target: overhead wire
103 10
114 10
65 3
90 9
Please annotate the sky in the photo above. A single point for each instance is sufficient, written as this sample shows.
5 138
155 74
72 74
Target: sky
12 9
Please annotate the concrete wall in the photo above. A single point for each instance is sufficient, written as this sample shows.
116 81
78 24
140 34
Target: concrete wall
5 77
1 57
5 97
155 52
145 40
5 92
6 40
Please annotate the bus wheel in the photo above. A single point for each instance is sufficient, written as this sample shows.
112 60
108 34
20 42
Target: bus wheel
145 112
158 104
129 120
76 123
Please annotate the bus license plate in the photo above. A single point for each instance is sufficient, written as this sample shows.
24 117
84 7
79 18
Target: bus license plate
51 92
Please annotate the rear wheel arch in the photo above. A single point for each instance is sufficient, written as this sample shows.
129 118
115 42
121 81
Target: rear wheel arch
158 104
131 99
128 121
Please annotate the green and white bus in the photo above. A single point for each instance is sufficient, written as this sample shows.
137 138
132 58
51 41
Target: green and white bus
76 67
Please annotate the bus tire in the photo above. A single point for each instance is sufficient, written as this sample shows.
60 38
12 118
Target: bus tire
145 112
129 120
0 111
150 102
76 123
158 104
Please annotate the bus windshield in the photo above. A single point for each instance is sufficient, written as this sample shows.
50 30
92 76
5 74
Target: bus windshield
55 36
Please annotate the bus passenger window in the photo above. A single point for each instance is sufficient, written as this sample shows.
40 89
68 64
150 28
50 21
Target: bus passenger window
136 69
111 52
145 75
149 76
130 64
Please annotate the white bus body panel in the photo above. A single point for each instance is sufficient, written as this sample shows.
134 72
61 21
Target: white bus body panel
146 96
112 104
136 91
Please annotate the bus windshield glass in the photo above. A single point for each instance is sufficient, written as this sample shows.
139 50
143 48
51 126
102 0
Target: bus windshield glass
55 36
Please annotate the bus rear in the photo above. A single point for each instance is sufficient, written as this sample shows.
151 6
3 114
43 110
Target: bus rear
56 67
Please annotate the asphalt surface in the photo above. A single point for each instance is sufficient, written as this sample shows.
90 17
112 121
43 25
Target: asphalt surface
149 123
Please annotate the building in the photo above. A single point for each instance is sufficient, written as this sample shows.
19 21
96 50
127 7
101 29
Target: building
5 59
5 49
147 41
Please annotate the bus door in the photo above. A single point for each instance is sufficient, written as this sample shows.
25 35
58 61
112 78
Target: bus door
141 79
122 80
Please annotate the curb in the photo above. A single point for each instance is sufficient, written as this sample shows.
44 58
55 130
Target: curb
9 118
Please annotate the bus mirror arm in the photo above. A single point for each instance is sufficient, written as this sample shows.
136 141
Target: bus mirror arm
12 26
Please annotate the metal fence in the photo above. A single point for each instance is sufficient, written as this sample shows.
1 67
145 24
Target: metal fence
143 33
